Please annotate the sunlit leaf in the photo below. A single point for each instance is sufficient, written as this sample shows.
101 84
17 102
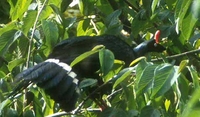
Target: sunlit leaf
18 9
164 77
145 81
194 76
183 65
154 4
15 63
85 55
83 27
29 20
122 75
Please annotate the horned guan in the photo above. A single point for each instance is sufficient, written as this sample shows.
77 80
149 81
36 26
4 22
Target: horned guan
60 81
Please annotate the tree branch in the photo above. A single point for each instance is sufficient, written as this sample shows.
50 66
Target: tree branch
178 55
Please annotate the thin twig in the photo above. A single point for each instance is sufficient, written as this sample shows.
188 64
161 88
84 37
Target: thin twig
33 31
31 40
178 55
90 95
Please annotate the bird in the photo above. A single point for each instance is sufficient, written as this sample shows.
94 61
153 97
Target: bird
61 81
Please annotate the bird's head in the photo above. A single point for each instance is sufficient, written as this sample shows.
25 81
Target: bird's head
151 45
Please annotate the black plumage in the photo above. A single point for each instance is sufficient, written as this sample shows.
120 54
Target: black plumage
60 81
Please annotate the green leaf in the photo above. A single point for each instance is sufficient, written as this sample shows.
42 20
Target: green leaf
18 10
140 67
171 4
196 9
182 8
183 84
138 24
23 46
106 59
28 113
122 75
7 39
12 113
86 6
117 66
145 81
85 55
194 76
165 76
88 82
15 63
192 107
183 65
104 7
46 13
65 4
113 18
82 27
154 4
4 104
68 22
8 27
113 112
187 26
51 34
113 23
38 107
29 20
2 74
149 111
136 61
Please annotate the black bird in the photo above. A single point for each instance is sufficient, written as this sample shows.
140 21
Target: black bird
60 81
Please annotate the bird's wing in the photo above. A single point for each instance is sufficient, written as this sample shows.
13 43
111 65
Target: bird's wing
55 77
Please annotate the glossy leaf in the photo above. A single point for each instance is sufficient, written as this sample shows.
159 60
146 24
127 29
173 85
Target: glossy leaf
122 75
165 76
106 59
146 80
85 55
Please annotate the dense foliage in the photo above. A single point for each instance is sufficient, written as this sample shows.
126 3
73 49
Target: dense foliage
164 84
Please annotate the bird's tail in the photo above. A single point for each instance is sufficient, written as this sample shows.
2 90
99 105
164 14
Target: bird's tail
57 80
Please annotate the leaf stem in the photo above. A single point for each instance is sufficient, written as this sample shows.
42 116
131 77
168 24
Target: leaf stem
33 31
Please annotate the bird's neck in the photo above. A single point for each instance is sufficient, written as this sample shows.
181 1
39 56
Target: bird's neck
140 50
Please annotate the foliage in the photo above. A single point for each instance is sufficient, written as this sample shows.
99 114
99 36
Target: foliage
149 87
